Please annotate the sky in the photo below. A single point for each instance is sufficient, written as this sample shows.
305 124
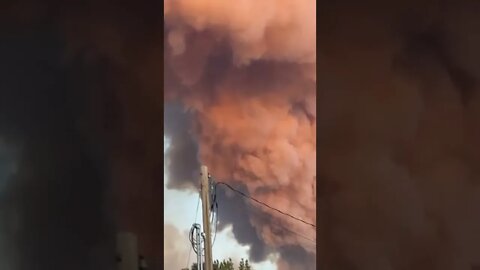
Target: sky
179 207
240 95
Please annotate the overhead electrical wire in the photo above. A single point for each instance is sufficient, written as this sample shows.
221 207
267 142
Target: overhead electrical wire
264 204
190 236
296 233
213 206
214 215
192 239
214 210
281 226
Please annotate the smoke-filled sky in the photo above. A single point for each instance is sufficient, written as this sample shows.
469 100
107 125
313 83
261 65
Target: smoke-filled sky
180 213
240 91
82 92
81 108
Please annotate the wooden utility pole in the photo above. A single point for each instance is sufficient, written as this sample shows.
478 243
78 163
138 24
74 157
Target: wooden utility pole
205 192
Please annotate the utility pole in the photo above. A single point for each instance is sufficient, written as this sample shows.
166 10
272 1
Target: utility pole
205 192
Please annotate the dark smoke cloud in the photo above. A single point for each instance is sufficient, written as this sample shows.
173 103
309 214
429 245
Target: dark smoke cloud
398 123
295 258
236 212
233 209
248 81
182 163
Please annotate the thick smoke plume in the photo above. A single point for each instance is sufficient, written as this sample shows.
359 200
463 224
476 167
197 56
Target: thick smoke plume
398 135
245 73
81 107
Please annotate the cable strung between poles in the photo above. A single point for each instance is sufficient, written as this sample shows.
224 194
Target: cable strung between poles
190 250
264 204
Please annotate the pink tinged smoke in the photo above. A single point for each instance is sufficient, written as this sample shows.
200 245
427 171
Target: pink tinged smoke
255 119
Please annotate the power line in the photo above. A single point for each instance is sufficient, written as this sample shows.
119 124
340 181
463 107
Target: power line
278 225
216 223
191 237
264 204
196 211
195 221
298 234
214 209
281 226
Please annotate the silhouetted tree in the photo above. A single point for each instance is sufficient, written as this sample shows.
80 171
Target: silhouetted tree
241 266
223 265
247 266
226 265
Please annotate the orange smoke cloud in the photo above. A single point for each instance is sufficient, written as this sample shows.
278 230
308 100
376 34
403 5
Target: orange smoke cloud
247 72
270 30
280 155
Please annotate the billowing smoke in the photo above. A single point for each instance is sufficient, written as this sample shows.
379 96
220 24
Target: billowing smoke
398 135
244 74
80 113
